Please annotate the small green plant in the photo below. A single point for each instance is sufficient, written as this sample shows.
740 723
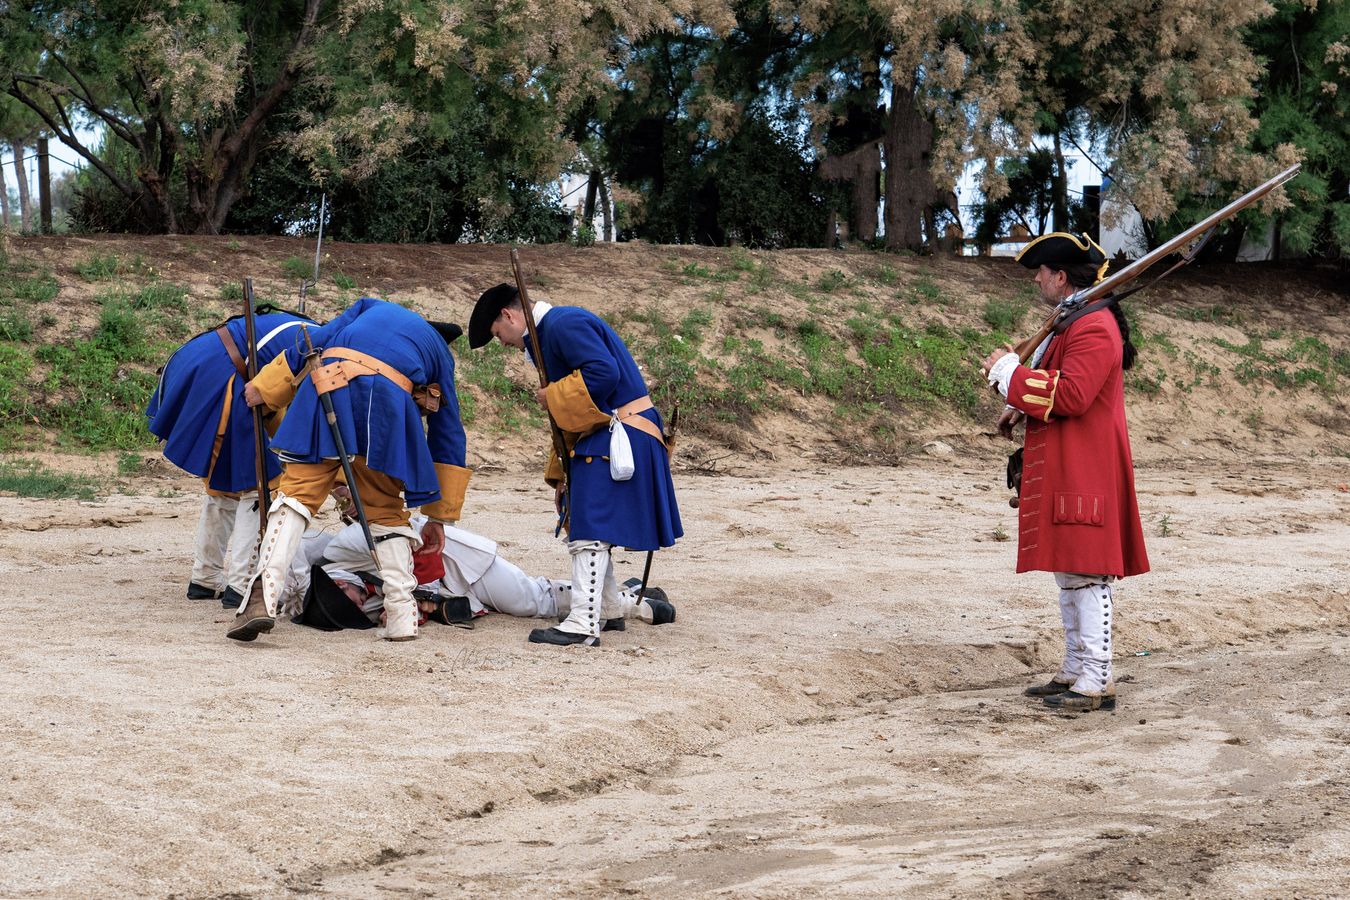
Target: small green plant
296 268
344 282
233 245
29 478
15 325
162 295
1165 525
884 275
231 291
694 270
925 290
37 289
129 464
1005 315
831 281
1000 534
98 268
585 235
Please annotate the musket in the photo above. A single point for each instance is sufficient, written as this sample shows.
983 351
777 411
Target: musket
559 442
1101 290
259 435
307 283
312 356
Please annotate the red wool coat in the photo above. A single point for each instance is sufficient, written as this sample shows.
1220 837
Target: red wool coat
1078 511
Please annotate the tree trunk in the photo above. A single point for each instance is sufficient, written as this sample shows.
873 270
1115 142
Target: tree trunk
1060 190
866 188
606 213
4 201
592 186
21 174
909 180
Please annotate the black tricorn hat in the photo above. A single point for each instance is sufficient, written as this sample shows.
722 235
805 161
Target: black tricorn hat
485 312
327 608
448 330
1059 249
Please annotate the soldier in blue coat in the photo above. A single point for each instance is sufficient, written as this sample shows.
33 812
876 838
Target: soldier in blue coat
198 411
391 378
598 398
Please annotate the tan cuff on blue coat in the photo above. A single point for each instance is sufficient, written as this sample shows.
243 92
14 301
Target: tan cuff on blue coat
571 405
454 482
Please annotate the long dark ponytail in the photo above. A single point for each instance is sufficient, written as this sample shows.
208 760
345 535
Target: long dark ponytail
1128 352
1083 275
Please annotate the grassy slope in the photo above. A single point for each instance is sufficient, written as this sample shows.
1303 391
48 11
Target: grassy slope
843 356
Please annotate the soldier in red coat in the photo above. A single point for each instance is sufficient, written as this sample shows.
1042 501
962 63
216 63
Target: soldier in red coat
1078 516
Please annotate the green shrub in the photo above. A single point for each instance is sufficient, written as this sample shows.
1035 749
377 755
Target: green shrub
345 282
1005 315
231 291
162 295
831 281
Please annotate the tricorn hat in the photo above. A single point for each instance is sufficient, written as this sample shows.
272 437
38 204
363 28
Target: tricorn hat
1059 249
485 312
327 607
448 330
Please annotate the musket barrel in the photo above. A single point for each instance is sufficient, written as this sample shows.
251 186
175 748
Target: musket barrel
1148 260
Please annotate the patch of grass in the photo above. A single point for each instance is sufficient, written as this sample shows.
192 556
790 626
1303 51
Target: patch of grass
1307 360
1005 315
1147 383
161 295
98 268
233 245
232 291
344 282
29 478
15 325
129 464
831 281
925 290
485 369
15 396
1218 314
884 275
37 289
297 268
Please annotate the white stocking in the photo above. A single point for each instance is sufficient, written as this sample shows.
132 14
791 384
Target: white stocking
213 534
286 524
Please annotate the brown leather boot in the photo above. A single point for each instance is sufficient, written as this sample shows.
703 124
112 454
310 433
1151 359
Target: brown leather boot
253 619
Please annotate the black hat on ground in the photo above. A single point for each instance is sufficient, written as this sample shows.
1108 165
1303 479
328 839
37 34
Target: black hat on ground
1060 249
448 330
486 310
327 608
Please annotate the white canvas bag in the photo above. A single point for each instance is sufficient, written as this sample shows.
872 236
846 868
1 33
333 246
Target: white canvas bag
620 451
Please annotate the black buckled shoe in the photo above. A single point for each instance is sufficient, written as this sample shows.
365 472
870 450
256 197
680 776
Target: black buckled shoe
562 638
231 599
454 611
197 591
1049 689
1076 702
614 625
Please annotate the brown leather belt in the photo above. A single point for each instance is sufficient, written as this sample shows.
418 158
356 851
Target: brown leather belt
233 350
352 363
628 414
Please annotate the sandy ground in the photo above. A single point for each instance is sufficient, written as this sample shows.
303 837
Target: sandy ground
836 711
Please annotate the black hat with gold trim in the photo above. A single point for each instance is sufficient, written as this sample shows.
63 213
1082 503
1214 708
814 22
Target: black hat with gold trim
1059 249
485 312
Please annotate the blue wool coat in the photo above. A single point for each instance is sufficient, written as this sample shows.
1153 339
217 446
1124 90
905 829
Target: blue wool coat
378 419
184 411
641 513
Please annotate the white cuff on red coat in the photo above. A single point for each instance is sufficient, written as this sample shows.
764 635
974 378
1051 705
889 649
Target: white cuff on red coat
1000 374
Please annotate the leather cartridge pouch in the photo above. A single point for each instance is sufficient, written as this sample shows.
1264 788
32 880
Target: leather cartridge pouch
1015 477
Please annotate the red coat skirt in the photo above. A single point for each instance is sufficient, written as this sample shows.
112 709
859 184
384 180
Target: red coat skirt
1078 511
